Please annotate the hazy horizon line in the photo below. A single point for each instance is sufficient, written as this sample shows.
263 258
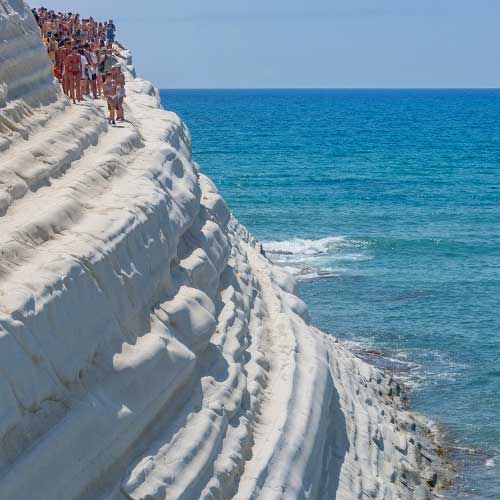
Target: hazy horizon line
329 88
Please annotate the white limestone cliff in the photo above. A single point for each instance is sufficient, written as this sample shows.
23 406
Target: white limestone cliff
148 350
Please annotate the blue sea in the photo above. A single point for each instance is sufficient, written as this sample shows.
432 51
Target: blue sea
386 206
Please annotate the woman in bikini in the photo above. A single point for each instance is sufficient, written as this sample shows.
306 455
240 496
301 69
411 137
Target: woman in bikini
119 78
110 91
63 52
73 70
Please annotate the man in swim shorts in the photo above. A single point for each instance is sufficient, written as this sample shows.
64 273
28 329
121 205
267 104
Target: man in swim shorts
110 30
83 82
93 60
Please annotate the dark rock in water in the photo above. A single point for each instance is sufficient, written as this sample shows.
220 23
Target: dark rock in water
432 481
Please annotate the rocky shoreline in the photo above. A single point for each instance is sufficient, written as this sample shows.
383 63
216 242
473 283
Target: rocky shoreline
434 433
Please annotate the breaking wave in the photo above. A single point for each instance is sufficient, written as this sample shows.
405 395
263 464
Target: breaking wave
313 259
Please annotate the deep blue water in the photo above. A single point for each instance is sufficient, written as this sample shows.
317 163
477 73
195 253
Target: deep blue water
386 205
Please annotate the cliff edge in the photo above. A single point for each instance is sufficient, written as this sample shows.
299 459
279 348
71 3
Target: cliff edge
148 350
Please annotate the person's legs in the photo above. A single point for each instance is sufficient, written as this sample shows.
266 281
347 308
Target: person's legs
93 86
66 83
99 84
103 81
78 86
71 86
83 86
120 115
112 109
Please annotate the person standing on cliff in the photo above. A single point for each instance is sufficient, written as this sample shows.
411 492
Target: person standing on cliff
93 63
73 70
83 78
107 61
110 30
62 52
110 90
47 27
52 46
119 78
36 16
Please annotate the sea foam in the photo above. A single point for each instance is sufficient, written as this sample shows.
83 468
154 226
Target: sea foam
309 259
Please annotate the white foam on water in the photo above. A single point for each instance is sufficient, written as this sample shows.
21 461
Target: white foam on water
408 372
312 259
324 273
296 246
329 258
292 270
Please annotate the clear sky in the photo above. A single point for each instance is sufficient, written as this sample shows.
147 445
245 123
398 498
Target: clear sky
306 43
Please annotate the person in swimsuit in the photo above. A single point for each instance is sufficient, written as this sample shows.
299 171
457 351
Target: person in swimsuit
83 77
65 51
110 31
82 53
110 92
93 61
47 27
73 69
107 61
100 69
52 46
36 16
119 78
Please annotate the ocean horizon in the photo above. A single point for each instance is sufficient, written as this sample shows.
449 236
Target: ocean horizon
385 204
307 89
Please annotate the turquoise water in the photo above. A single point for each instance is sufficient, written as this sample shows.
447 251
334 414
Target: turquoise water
386 206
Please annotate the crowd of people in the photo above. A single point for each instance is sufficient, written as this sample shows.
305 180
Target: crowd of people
84 57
